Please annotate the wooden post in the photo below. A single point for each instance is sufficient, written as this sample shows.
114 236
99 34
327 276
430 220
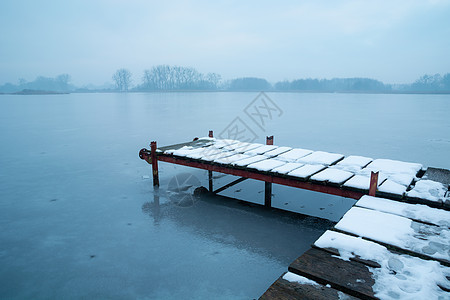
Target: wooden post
210 181
268 185
210 173
373 183
154 163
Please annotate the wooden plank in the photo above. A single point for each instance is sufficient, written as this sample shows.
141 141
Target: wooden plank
413 272
350 277
439 175
195 144
286 290
399 233
415 212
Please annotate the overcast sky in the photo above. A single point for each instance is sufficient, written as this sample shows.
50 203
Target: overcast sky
392 41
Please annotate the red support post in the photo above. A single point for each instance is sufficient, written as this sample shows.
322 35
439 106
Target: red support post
154 163
373 183
210 173
268 185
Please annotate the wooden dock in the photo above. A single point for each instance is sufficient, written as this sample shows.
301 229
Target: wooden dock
392 246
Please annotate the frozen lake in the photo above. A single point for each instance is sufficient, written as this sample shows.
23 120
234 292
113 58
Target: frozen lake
77 208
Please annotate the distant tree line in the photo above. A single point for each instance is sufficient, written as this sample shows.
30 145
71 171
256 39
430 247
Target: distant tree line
60 83
333 85
178 78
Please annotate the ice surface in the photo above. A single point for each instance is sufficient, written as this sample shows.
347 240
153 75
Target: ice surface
400 276
250 160
299 279
306 171
321 157
397 231
288 167
420 212
392 187
277 151
429 190
332 175
294 154
363 181
261 150
267 165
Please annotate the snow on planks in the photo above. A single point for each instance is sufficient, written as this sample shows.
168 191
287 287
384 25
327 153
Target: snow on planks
375 269
379 249
398 276
396 180
401 233
293 286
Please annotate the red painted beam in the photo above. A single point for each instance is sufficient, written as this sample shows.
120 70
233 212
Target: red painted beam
263 177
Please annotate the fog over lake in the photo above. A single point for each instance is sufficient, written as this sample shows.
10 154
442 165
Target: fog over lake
80 217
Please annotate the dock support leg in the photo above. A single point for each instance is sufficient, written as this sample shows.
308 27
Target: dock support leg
154 164
373 183
268 185
210 177
210 181
268 194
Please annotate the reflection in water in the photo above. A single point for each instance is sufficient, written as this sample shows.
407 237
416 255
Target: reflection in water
273 233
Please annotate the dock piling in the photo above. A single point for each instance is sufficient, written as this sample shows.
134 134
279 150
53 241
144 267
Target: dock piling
268 185
373 183
154 159
210 173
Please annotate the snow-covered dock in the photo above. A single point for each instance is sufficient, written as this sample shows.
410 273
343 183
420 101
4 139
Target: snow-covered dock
333 173
380 249
392 246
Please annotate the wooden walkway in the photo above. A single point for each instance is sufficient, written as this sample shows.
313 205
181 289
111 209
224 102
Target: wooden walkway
380 249
393 246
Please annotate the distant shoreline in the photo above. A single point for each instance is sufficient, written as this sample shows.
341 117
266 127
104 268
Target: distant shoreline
39 92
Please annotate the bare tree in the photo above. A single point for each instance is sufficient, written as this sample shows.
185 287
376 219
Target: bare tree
122 78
